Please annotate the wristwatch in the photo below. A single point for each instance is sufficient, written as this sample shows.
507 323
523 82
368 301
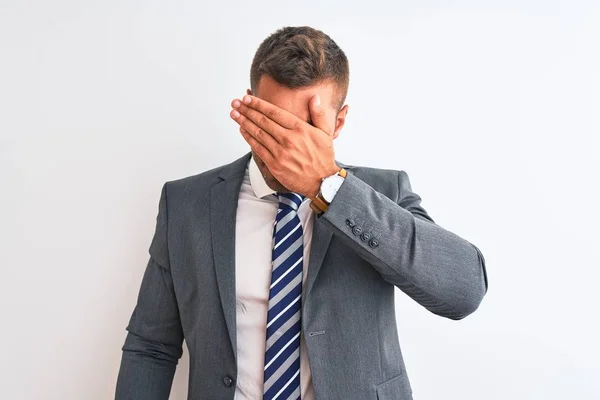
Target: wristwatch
329 187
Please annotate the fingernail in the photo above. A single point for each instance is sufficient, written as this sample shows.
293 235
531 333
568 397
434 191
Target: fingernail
235 114
236 104
247 99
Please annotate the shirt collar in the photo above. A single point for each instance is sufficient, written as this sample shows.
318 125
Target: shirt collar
259 186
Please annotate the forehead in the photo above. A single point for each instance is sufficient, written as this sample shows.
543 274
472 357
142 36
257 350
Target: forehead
293 100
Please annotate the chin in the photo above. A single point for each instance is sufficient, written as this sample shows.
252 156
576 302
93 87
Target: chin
273 182
268 177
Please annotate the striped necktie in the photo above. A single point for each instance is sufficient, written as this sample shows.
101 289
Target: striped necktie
282 354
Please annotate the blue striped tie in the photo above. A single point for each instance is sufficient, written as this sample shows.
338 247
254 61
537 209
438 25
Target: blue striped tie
282 354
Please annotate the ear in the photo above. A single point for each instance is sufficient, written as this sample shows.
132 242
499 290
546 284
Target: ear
249 92
340 120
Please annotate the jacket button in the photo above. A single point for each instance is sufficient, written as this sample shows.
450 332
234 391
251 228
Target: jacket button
374 242
350 222
365 236
357 230
228 381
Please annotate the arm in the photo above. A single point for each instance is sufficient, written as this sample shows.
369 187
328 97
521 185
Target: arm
438 269
153 344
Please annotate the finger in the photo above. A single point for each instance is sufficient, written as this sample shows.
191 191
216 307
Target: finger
284 118
317 113
257 147
262 136
260 120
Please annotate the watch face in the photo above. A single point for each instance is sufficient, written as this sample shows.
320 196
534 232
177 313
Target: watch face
330 186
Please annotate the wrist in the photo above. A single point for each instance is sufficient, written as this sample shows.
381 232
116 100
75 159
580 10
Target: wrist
317 187
328 189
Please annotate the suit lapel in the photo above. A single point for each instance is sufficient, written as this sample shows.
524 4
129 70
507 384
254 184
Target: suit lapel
223 209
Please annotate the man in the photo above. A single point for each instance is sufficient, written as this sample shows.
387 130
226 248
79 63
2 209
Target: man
279 268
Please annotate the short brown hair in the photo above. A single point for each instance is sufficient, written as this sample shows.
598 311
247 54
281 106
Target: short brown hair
299 57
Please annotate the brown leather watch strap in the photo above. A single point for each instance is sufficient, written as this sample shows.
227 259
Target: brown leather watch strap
320 202
315 208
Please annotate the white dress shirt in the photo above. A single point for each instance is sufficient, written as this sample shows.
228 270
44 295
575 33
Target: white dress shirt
256 212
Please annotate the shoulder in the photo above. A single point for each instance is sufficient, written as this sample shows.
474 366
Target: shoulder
190 189
197 181
384 180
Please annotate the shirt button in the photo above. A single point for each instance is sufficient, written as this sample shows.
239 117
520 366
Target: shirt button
365 236
228 381
374 243
357 230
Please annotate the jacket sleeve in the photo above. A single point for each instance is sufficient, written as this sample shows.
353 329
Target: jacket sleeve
153 345
441 271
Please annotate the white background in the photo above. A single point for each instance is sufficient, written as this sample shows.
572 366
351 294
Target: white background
492 108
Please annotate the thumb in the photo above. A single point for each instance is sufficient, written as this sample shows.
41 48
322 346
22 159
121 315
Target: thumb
317 113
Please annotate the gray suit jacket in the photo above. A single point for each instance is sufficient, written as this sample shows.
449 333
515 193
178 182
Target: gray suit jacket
374 237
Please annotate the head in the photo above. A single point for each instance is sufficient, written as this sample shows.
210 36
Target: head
289 68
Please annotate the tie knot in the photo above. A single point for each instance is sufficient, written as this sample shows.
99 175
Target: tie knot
290 199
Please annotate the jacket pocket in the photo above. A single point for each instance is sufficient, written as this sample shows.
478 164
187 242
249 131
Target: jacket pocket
396 388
